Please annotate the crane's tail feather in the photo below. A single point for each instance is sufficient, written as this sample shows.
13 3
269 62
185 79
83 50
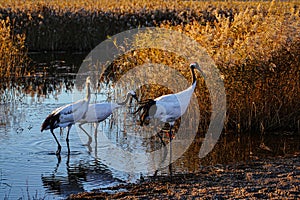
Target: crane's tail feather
50 122
144 109
46 124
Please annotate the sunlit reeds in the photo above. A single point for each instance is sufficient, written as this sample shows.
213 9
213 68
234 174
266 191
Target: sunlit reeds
258 54
254 44
13 60
257 51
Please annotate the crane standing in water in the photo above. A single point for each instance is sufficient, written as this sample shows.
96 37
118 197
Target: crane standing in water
169 108
67 115
98 112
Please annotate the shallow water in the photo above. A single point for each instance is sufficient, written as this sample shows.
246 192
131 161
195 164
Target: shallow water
29 168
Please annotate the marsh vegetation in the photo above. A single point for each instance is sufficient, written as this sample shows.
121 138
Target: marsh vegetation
254 44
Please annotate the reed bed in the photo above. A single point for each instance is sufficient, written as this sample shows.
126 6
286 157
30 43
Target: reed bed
81 25
254 44
257 51
13 59
258 54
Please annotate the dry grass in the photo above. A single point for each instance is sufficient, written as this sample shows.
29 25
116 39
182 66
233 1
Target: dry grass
256 48
13 60
258 53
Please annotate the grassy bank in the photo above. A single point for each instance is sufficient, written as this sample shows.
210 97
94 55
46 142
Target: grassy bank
256 46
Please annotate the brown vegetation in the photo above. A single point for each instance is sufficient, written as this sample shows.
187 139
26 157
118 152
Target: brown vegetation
254 44
13 60
258 54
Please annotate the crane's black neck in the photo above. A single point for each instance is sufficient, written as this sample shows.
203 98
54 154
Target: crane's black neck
193 75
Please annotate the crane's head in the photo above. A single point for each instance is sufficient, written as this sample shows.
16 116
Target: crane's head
88 80
195 65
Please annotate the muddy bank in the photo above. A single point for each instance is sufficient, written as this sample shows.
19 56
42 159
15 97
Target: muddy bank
268 178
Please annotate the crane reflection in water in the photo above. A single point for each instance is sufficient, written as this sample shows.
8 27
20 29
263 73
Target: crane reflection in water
77 176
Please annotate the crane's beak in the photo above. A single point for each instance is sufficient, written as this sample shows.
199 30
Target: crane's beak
200 70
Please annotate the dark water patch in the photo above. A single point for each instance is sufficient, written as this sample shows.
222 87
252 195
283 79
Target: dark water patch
55 64
232 149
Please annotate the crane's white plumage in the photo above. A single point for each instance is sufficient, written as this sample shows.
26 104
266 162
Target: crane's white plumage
67 115
98 112
168 108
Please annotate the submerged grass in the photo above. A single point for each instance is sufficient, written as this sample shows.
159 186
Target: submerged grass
255 45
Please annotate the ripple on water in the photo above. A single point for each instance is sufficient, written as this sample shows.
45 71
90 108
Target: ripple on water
63 153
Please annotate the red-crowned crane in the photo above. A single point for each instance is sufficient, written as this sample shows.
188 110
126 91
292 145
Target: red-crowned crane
168 108
67 115
98 112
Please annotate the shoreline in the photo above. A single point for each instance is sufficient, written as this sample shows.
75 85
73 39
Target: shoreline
263 178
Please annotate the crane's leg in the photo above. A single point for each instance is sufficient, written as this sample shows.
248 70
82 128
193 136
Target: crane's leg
96 124
90 138
68 161
165 154
170 132
58 145
67 139
96 138
161 139
171 137
170 162
61 131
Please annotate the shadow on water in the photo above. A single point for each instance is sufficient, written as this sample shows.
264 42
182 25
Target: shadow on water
26 101
56 64
233 149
